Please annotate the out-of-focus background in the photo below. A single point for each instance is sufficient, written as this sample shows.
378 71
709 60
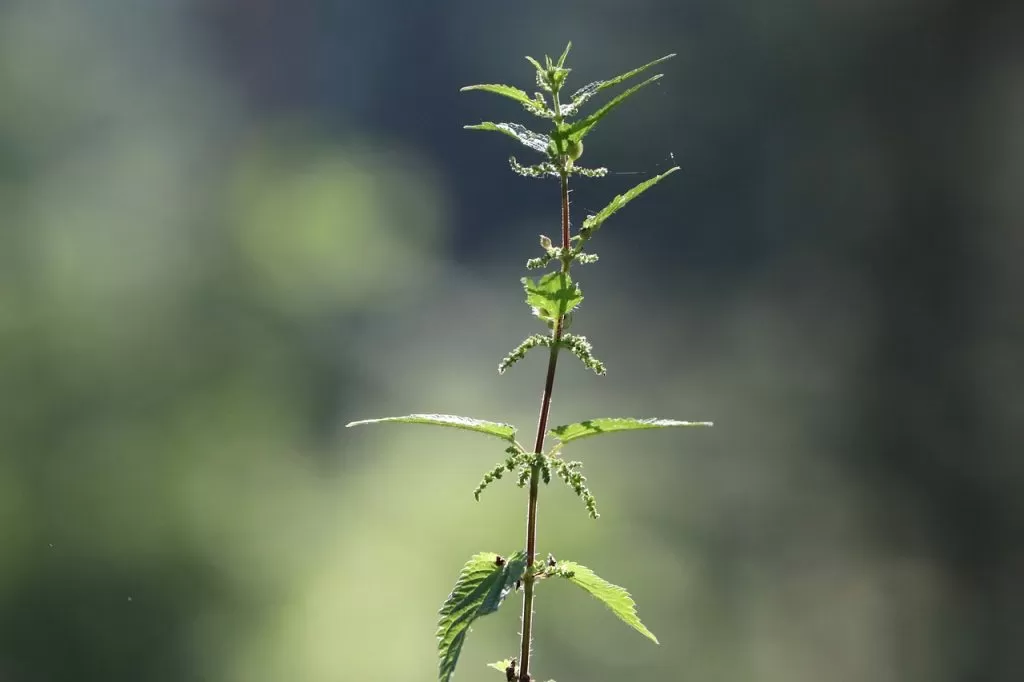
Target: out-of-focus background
230 226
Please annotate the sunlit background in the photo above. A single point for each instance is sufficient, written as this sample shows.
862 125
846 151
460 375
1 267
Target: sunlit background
228 227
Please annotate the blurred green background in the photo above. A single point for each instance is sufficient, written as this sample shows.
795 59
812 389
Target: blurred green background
230 226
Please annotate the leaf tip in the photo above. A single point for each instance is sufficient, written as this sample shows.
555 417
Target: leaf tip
561 60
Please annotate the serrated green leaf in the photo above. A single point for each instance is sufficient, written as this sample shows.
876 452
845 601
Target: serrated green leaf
534 141
592 223
553 295
614 597
580 129
482 585
595 427
587 91
503 431
503 90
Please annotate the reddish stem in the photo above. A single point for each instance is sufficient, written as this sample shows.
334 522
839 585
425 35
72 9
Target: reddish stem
542 425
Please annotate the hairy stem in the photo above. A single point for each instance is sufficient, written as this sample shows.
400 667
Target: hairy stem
542 425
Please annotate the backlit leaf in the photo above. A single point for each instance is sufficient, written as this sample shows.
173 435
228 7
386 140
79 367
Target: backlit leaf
553 295
561 60
596 427
580 97
614 597
593 222
504 90
482 586
503 431
581 128
534 141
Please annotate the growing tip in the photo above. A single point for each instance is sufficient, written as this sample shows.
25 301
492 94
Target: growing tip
561 60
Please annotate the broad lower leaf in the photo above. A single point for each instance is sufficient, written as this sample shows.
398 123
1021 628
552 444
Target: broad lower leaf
534 141
595 427
614 597
503 431
593 222
483 584
579 130
580 97
552 296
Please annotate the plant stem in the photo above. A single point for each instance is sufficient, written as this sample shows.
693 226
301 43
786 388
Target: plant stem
542 425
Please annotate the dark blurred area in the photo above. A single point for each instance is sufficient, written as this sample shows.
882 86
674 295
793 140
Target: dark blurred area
231 226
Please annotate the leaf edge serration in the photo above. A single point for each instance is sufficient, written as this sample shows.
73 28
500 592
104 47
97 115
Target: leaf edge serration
482 599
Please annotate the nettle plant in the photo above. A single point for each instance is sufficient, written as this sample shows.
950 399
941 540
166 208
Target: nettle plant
488 578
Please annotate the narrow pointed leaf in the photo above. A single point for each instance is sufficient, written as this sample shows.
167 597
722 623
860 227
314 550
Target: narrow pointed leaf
594 222
534 141
561 60
503 431
614 597
504 90
553 295
483 584
596 427
591 89
581 128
